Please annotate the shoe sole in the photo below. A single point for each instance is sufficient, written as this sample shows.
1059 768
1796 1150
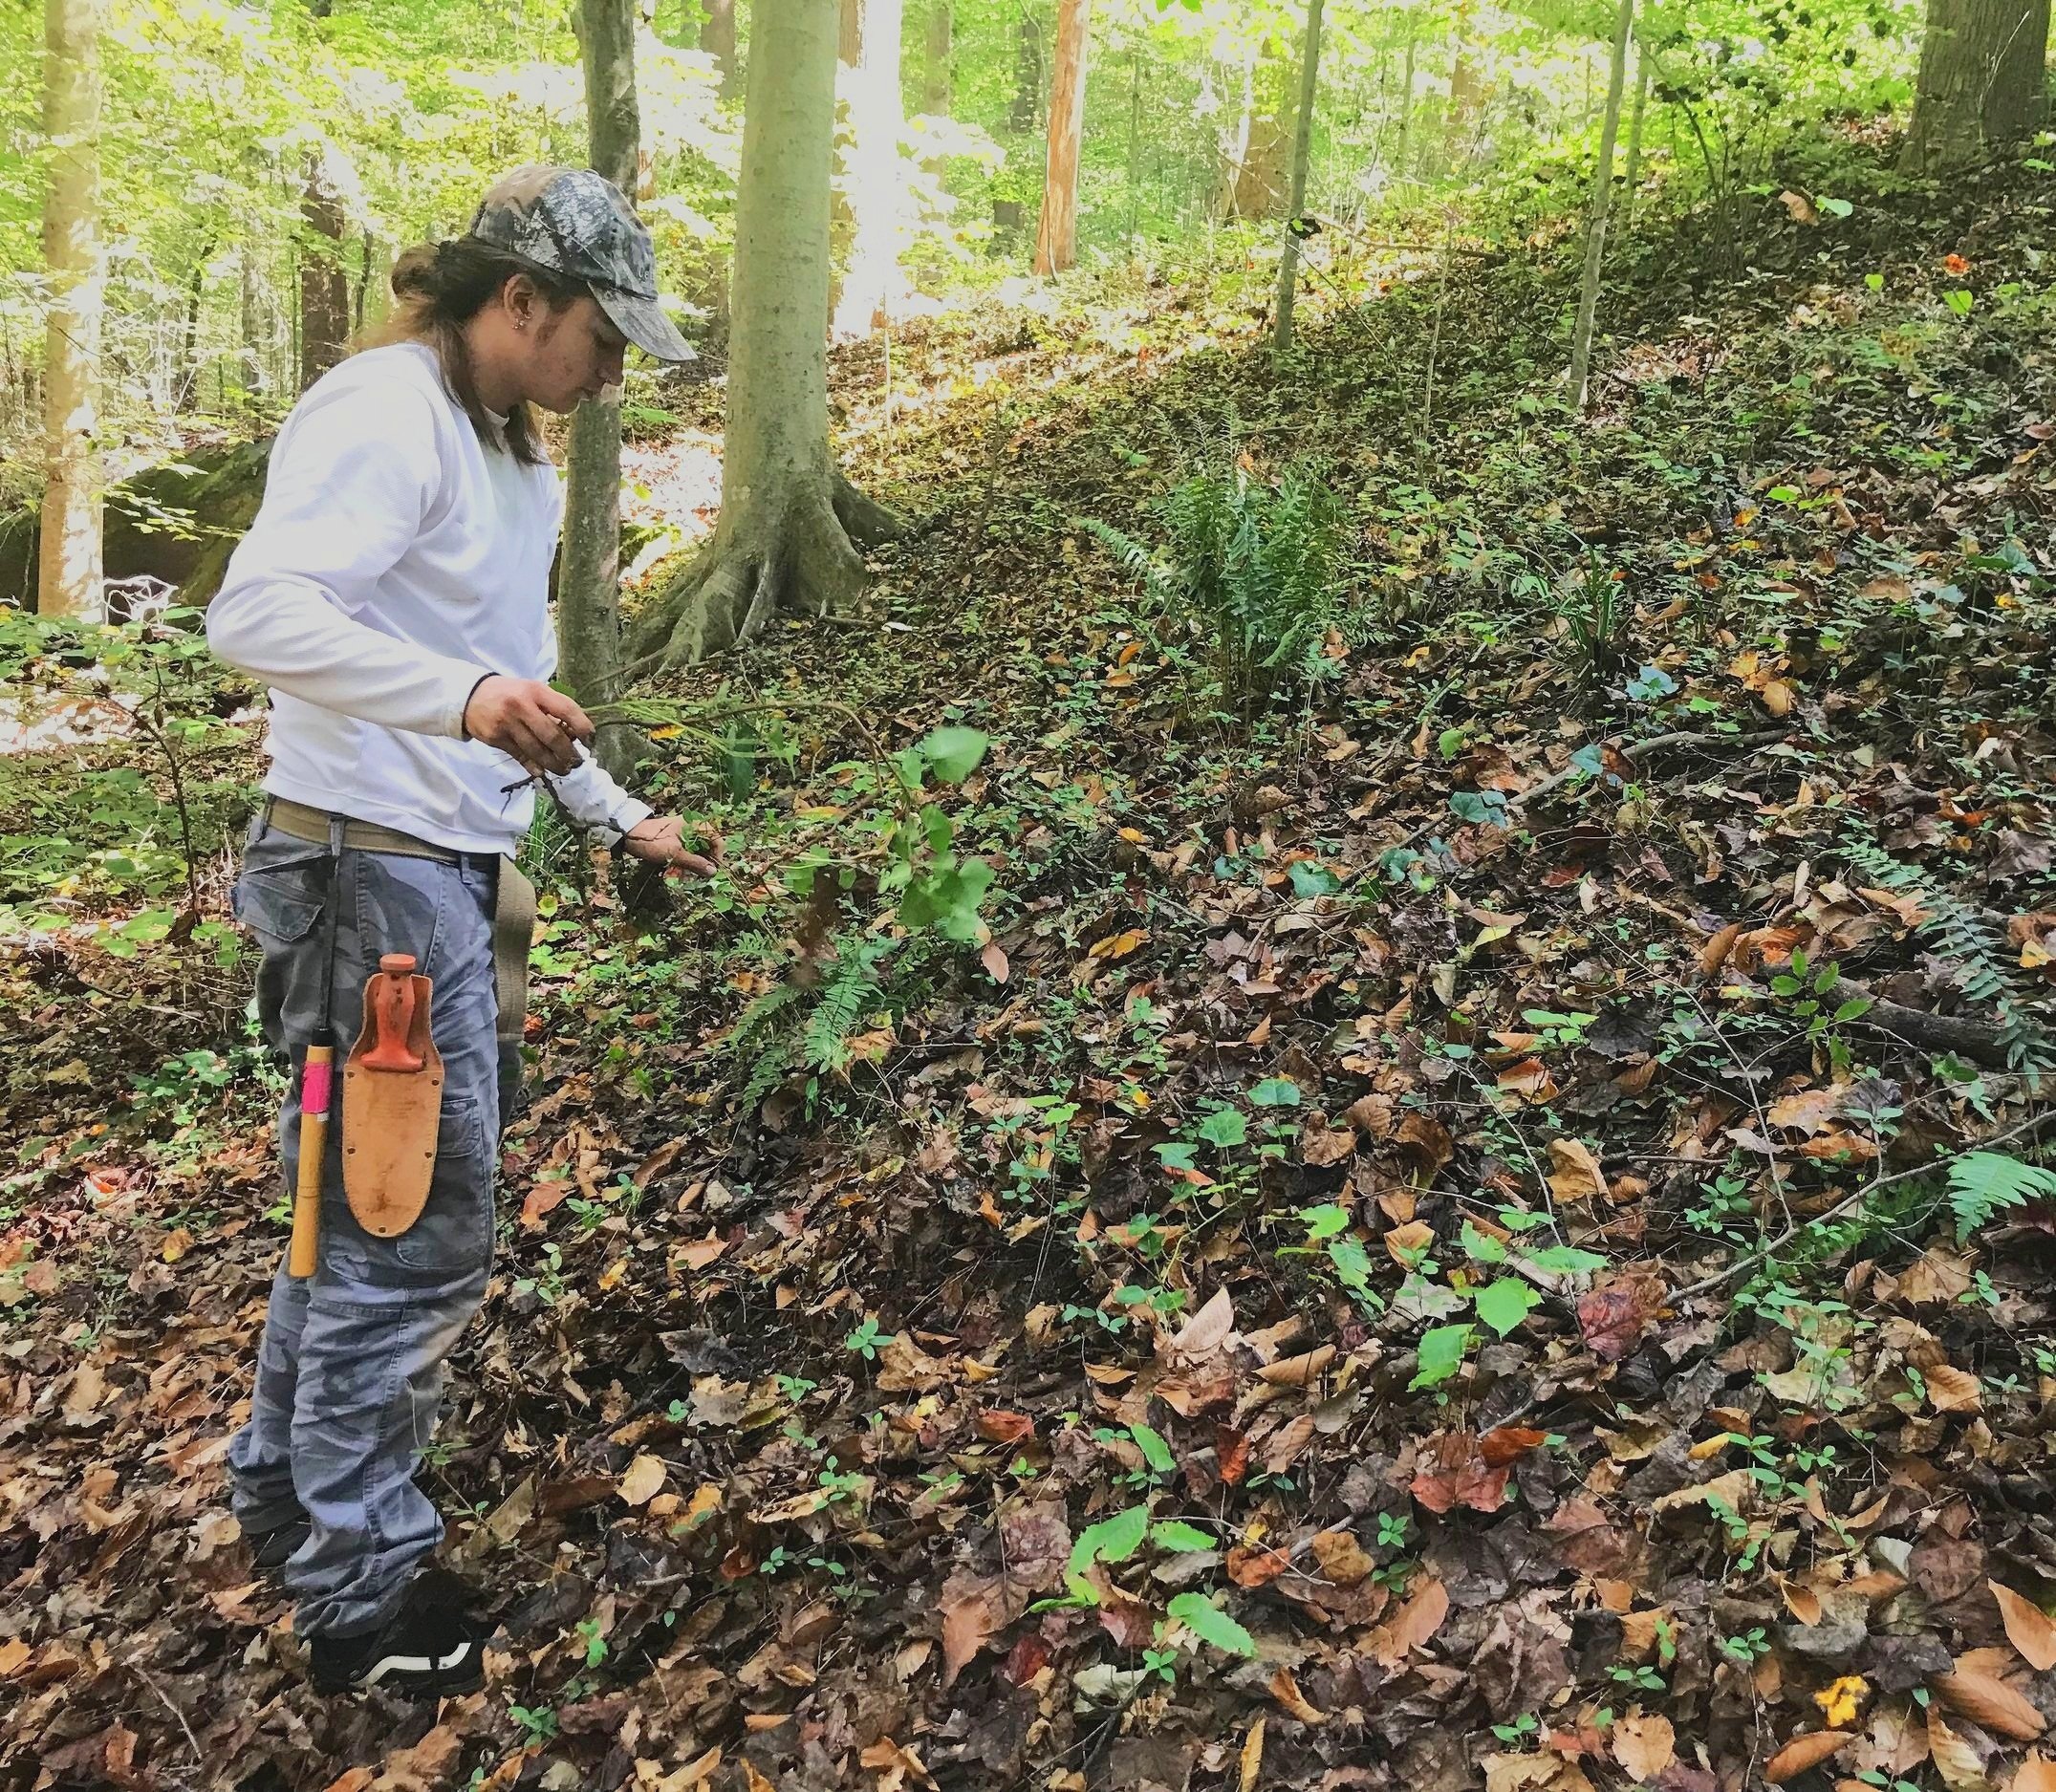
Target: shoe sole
416 1677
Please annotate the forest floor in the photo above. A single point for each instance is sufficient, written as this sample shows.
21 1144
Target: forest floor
1409 1264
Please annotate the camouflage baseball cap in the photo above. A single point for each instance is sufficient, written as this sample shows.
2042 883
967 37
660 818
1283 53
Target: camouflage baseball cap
576 221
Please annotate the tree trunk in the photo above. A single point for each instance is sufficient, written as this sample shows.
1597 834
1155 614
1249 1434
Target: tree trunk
1310 83
1056 232
1581 342
872 289
68 579
1402 156
188 382
1632 178
1466 97
1027 108
324 285
589 574
937 76
789 520
1983 71
717 37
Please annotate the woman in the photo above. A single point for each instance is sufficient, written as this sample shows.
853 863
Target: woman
393 593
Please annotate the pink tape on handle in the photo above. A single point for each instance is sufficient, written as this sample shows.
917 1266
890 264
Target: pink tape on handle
314 1079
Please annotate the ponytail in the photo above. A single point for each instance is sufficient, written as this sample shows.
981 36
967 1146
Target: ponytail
437 288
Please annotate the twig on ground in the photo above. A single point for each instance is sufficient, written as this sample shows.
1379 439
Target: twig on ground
2029 1128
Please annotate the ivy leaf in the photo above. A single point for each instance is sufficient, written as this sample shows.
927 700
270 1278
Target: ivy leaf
1224 1127
1440 1355
1206 1621
1276 1091
1154 1451
1176 1534
954 753
1504 1303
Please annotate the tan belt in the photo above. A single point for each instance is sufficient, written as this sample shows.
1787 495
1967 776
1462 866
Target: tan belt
513 907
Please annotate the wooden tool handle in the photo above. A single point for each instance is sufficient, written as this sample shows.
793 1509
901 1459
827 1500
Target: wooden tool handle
392 1007
304 1252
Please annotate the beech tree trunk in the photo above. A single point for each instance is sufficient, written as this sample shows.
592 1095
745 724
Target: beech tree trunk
1581 342
1309 85
1983 67
324 283
1021 117
589 573
717 37
1632 178
872 286
789 522
1057 231
69 568
937 76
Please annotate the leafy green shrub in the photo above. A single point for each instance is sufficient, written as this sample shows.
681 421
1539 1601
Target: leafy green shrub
1254 565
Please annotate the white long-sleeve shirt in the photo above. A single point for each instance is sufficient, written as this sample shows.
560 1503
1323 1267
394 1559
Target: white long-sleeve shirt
395 562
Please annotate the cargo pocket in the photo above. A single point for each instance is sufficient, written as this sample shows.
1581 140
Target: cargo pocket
453 1238
282 890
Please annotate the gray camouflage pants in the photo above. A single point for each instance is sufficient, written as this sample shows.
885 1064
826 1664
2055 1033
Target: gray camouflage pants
350 1369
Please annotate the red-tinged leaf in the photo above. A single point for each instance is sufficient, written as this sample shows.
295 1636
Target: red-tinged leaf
1256 1566
997 1426
1453 1472
1614 1316
1231 1452
1508 1444
1028 1658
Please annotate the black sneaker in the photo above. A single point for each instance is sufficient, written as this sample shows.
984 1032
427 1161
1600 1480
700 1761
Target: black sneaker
430 1647
271 1550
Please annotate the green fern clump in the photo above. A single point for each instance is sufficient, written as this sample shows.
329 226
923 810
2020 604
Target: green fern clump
1971 942
795 1026
1983 1183
1253 564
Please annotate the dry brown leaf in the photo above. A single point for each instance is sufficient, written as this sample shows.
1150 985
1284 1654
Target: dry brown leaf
2028 1627
1342 1557
1644 1746
1252 1755
1960 1766
2036 1774
1575 1174
1991 1704
645 1480
969 1621
1408 1241
1426 1141
1953 1390
1730 1489
1714 954
1413 1623
13 1654
1803 1752
1296 1371
356 1780
1329 1145
1286 1691
1207 1329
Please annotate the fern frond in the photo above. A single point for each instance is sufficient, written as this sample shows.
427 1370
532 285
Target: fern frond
1983 1183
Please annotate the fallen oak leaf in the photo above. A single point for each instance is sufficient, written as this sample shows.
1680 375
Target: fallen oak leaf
1576 1176
1286 1691
1644 1746
1805 1752
1411 1626
2028 1627
1991 1704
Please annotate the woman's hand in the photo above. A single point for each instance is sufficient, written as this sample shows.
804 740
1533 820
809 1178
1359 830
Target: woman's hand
661 840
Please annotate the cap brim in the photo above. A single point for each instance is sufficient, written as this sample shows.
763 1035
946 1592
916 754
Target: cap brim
642 321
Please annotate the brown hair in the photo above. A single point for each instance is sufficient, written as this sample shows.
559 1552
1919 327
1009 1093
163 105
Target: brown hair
440 287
